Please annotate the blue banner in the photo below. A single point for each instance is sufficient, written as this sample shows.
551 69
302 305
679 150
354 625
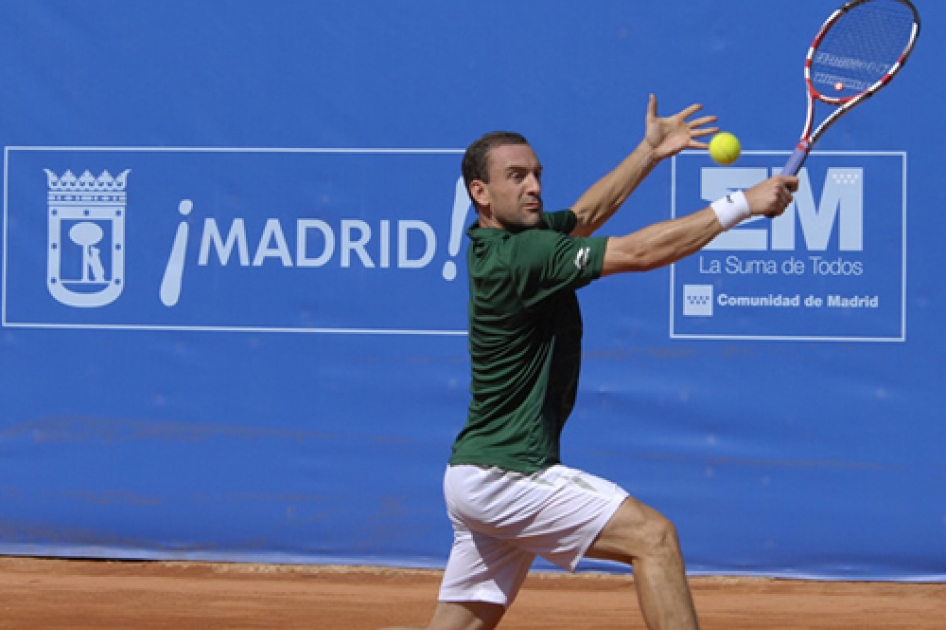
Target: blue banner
233 292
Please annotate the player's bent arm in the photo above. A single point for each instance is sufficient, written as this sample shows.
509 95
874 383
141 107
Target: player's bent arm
603 199
667 242
660 244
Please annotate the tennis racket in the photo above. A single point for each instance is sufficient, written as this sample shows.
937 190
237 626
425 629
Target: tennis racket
860 48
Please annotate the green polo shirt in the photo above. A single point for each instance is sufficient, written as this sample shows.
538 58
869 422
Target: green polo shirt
525 340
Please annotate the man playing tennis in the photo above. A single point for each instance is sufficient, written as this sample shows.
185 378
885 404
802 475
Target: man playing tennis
507 493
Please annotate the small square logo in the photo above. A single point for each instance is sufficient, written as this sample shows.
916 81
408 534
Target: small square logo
698 300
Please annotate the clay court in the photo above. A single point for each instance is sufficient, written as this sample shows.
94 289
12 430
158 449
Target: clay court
52 593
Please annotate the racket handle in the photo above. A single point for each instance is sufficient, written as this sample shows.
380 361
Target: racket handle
795 162
793 165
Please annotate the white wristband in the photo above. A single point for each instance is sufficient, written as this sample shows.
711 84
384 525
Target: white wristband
731 209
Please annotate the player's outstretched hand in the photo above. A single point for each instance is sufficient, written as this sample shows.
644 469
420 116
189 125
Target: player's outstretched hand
669 136
772 196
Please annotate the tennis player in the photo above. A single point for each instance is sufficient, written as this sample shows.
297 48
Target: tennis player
507 493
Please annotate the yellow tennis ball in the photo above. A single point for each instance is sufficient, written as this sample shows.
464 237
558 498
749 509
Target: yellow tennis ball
724 148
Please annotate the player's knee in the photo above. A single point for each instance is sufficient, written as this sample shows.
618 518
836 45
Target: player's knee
660 537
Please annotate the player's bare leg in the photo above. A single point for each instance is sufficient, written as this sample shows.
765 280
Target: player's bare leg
642 537
462 616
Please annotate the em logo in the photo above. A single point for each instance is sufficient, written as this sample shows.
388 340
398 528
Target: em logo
86 242
840 205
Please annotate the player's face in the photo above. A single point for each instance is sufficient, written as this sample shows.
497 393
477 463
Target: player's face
513 195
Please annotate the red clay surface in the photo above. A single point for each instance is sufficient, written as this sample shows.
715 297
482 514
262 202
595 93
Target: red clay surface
48 594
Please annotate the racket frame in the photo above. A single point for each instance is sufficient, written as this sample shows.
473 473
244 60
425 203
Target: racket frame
847 103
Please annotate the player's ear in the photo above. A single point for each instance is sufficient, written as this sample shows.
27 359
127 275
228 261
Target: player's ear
479 193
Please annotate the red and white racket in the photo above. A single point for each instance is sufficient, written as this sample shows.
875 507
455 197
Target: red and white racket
858 50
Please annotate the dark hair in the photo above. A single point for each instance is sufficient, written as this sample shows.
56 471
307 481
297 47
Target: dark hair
476 159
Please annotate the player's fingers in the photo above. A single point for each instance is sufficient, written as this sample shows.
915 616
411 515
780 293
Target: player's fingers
785 185
689 111
652 106
699 122
699 133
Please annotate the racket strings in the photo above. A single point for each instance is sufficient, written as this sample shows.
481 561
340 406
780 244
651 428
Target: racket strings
861 47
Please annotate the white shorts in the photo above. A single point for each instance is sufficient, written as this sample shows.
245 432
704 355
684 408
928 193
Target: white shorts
502 520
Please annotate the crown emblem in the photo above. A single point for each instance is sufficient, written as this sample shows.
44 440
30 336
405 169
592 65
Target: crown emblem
86 240
86 182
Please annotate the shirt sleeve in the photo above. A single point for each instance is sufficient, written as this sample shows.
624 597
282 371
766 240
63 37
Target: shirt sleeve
544 262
